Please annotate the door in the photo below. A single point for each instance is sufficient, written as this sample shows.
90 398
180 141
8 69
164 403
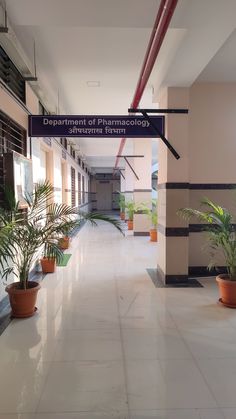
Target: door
104 196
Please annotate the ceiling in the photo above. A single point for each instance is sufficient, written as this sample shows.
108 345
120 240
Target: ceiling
79 41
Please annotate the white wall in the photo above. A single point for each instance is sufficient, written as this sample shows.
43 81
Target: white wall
47 158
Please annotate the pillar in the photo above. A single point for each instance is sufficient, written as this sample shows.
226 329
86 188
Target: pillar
173 190
143 185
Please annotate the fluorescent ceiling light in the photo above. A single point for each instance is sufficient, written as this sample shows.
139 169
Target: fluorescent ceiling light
93 83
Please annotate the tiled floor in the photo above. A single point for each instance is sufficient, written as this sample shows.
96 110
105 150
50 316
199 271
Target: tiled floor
106 343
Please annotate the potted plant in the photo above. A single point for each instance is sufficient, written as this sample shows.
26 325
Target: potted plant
122 206
52 253
64 241
152 213
153 230
131 208
23 236
221 234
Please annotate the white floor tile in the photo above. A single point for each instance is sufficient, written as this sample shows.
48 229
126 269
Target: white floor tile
166 384
86 345
154 344
178 414
220 375
211 342
21 386
80 415
104 335
84 386
229 413
24 347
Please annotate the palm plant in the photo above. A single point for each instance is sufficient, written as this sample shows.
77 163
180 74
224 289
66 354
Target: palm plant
131 208
23 236
220 230
153 213
121 202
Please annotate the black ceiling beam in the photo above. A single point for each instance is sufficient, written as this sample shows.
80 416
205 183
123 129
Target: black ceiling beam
159 134
131 168
120 171
126 156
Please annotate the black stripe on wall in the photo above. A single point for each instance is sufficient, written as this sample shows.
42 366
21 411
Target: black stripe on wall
173 231
197 186
171 279
142 190
173 185
184 231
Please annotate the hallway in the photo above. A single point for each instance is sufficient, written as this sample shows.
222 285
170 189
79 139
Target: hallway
105 343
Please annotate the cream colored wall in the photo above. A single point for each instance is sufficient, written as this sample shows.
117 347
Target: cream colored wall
143 165
11 108
212 146
32 102
212 133
46 159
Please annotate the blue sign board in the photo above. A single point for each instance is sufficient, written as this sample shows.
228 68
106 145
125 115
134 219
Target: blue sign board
94 126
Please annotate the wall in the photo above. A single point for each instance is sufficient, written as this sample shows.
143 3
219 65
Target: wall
212 151
47 154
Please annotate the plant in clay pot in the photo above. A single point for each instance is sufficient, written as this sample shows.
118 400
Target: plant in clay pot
152 214
64 240
22 237
221 234
122 205
153 230
131 208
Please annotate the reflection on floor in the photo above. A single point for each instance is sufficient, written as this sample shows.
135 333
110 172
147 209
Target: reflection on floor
106 343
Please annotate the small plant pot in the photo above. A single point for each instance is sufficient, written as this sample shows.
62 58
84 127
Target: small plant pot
23 301
153 235
48 265
64 243
130 224
227 290
122 216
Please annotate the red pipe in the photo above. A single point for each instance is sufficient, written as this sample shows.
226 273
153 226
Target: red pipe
162 22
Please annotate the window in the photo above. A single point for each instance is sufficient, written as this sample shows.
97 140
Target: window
11 76
83 190
79 189
73 203
63 142
12 138
72 152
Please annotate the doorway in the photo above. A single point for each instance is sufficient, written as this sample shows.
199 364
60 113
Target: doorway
104 195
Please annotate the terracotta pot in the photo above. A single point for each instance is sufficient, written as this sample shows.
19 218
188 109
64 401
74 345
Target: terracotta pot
227 290
23 301
130 224
153 235
64 242
48 265
122 216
